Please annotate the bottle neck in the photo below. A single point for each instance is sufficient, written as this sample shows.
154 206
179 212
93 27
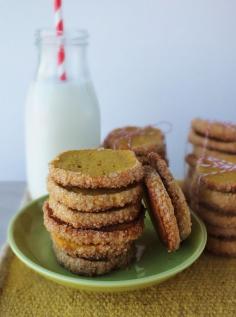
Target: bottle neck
75 63
74 44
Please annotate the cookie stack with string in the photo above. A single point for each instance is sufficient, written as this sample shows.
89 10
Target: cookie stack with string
140 140
210 184
94 213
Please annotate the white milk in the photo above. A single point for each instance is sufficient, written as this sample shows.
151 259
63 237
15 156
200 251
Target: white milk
59 117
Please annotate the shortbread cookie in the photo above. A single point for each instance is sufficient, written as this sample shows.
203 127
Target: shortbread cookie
211 144
193 188
181 209
90 251
213 175
91 220
94 200
218 231
215 217
97 168
119 233
225 202
161 209
200 151
221 246
87 267
140 140
224 131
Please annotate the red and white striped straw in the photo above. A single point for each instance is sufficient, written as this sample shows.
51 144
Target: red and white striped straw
60 29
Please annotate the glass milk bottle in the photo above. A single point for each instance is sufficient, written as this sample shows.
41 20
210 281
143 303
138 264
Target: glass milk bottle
60 114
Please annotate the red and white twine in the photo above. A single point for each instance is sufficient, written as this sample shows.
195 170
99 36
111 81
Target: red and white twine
222 165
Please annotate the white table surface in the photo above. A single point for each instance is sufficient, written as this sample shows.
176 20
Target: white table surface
11 194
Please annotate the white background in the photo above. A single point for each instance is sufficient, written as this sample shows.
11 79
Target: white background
151 60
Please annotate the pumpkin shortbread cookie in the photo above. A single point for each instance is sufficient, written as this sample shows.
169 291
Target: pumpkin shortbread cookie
88 267
219 231
96 168
221 246
225 202
200 151
91 220
140 140
215 217
215 199
161 209
181 209
94 200
214 174
221 241
223 131
90 251
119 233
211 144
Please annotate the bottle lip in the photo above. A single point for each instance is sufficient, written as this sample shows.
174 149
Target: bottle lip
67 37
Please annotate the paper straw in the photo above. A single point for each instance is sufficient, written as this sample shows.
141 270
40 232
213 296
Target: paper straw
60 29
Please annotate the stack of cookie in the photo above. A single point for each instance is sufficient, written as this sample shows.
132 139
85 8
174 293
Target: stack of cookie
94 211
213 138
140 140
211 182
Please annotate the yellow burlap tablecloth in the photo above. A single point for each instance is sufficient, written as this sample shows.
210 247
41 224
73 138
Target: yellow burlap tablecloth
208 288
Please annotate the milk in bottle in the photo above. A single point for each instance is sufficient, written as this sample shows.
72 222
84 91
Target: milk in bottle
60 115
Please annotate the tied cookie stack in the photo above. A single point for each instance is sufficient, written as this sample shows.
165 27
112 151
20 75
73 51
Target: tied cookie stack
94 212
140 140
210 184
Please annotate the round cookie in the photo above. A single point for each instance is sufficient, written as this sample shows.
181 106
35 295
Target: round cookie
181 209
214 129
200 151
211 144
96 168
217 231
90 220
216 178
139 140
161 209
87 267
120 233
225 202
222 247
90 251
215 217
94 200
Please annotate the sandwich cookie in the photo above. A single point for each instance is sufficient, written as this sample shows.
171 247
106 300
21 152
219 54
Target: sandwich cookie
181 209
161 210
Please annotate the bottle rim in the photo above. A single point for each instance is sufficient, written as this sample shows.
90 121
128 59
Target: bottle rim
47 36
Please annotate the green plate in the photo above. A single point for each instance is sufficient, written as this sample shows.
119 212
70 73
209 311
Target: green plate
30 242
